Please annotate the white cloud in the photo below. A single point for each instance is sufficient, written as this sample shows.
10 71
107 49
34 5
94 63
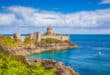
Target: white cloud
26 16
105 2
7 19
21 9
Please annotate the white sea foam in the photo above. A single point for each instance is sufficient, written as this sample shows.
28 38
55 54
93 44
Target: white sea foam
100 53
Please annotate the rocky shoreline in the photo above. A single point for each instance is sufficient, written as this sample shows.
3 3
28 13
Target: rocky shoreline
29 50
22 46
60 68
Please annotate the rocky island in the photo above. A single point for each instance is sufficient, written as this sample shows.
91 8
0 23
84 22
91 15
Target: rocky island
21 46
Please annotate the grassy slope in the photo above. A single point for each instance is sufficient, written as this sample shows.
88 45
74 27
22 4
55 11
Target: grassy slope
10 66
6 40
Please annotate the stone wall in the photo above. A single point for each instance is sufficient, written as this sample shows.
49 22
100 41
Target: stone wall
59 37
37 36
18 37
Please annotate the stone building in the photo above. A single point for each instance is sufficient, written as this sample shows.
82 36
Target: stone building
35 36
18 37
51 34
38 36
50 31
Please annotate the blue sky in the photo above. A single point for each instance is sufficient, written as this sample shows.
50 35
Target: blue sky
66 16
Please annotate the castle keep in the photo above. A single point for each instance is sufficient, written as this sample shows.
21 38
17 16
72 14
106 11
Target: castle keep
38 36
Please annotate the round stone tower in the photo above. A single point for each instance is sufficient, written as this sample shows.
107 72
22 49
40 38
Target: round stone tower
49 30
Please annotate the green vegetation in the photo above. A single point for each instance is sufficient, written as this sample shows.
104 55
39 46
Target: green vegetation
67 41
6 40
28 41
50 41
9 65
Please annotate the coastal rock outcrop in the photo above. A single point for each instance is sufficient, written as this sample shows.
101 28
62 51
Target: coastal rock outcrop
48 64
61 69
24 51
35 43
19 46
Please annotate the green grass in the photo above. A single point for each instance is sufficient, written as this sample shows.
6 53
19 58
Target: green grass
6 40
49 41
28 41
9 65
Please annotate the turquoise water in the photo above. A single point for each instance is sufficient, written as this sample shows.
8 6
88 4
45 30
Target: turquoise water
92 58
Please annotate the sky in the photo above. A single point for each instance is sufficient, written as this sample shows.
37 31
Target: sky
65 16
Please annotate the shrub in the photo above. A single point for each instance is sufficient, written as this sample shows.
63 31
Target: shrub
6 40
28 41
50 41
10 66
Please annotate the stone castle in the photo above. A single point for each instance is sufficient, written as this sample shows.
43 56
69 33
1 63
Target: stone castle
38 36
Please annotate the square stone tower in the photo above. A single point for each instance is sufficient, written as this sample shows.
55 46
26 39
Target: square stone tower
36 36
17 37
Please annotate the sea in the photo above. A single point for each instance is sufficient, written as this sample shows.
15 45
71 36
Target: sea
91 58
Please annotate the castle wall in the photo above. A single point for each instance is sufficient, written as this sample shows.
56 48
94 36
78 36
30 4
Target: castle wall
22 38
18 37
36 36
59 37
65 38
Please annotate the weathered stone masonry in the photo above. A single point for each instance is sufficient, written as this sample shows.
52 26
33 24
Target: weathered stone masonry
38 36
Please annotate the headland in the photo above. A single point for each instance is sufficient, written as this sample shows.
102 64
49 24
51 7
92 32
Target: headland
21 46
36 43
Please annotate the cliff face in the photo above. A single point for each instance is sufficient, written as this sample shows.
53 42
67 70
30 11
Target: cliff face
8 45
59 66
30 46
48 64
26 50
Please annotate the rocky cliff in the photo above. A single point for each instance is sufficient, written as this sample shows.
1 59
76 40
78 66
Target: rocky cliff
61 69
48 64
26 50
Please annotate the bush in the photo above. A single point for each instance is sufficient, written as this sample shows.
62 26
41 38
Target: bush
28 41
50 41
10 66
6 40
